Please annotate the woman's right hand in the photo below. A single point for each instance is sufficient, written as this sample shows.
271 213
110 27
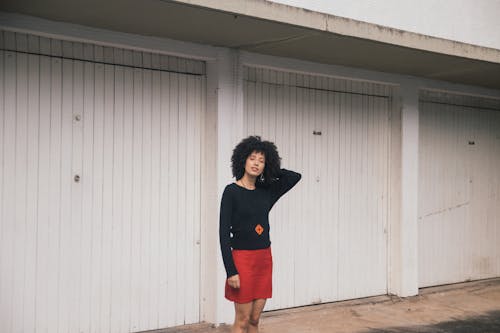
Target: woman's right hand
234 281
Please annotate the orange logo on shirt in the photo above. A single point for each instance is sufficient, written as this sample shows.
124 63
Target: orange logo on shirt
259 229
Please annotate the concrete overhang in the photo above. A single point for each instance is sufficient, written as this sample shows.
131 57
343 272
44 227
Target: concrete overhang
274 29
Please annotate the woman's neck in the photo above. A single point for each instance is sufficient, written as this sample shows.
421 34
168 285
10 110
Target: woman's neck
248 181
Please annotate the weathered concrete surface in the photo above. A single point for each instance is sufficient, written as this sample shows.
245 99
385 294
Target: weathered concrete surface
264 27
466 307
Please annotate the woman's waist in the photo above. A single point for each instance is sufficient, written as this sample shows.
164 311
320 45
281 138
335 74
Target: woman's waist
253 253
260 243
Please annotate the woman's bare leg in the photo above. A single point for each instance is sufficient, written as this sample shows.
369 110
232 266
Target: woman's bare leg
242 317
258 306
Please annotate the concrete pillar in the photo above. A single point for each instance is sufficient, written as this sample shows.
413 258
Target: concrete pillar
225 83
404 234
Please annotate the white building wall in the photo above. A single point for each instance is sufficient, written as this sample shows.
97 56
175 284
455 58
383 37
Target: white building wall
224 128
473 22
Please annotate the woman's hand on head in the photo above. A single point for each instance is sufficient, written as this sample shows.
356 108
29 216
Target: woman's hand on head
234 281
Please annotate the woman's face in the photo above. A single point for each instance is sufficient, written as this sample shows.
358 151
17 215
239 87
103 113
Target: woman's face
255 164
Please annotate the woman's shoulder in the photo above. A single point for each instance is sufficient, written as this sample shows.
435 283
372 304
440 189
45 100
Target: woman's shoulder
230 188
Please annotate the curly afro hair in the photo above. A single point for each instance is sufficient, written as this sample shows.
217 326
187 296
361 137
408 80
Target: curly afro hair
254 144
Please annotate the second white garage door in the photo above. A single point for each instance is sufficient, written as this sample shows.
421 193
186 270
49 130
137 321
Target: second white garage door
329 235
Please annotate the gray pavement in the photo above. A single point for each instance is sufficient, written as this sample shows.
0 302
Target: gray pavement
460 308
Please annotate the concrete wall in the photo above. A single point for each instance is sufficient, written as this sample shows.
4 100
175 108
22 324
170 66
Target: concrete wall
472 22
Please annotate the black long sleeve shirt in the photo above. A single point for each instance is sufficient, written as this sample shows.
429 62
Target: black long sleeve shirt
245 214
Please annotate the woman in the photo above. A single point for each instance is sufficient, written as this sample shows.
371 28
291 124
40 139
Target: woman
244 213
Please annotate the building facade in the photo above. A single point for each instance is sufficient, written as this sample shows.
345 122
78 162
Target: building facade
118 120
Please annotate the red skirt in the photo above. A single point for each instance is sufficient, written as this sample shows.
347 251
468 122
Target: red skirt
255 268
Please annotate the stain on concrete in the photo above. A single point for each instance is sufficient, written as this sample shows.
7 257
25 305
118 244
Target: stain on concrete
485 323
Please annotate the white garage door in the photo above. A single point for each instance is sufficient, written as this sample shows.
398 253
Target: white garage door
329 234
100 187
459 189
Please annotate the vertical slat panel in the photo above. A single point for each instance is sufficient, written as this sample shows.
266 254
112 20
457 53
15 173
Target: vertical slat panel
165 182
371 156
484 221
332 184
108 219
8 189
32 189
182 232
97 305
3 225
174 291
324 241
302 129
118 294
437 145
308 151
87 294
76 239
306 293
496 189
377 191
344 271
66 254
96 254
20 190
285 119
293 138
43 221
457 212
32 182
116 274
344 187
127 317
54 265
145 218
370 242
496 197
383 224
137 288
155 235
379 250
190 243
200 121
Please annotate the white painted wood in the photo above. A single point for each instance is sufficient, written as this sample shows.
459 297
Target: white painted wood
458 189
8 185
20 189
88 272
329 234
405 239
3 226
17 41
118 249
54 265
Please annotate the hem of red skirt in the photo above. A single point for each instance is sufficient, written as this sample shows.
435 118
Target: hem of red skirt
245 300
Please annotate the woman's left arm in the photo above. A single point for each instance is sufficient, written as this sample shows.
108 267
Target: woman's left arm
286 179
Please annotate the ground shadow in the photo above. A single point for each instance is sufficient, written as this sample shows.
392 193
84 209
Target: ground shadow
487 323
